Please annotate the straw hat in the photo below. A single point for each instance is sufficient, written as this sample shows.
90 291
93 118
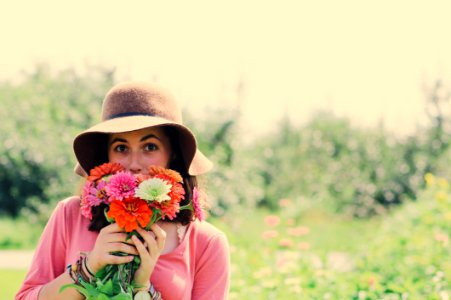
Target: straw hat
131 106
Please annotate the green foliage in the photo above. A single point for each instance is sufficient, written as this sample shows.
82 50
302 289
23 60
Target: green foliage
10 239
326 162
111 282
40 117
348 170
220 138
405 255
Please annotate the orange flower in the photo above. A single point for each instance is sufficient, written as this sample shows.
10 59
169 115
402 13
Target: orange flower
130 212
174 175
103 170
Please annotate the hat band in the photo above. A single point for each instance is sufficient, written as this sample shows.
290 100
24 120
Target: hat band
128 114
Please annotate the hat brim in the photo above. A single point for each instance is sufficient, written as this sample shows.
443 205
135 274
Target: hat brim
86 144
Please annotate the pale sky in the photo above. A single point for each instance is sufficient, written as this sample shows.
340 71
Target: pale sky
362 59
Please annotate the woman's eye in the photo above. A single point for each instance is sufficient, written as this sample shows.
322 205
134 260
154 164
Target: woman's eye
150 147
120 148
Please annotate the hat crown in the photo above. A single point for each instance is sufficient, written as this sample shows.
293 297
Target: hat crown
135 98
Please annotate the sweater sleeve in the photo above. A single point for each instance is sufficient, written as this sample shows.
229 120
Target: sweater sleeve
49 256
212 277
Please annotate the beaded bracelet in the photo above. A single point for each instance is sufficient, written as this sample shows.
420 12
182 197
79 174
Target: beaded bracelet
85 264
77 272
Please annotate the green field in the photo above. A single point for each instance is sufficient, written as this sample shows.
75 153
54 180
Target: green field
10 283
294 254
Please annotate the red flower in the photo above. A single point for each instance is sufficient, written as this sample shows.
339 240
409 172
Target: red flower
169 208
130 212
154 171
104 170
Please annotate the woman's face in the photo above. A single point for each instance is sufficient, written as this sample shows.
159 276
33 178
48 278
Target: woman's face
137 150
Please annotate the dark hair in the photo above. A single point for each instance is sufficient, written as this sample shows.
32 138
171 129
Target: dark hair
176 163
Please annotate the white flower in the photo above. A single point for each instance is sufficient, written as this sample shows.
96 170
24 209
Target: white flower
154 189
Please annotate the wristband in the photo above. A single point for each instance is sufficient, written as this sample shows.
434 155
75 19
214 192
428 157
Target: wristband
148 294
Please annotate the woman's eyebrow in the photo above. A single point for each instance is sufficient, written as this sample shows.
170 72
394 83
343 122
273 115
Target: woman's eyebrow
149 136
118 140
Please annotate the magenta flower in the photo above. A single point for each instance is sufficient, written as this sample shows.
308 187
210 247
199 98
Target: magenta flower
85 209
85 205
198 212
93 195
121 185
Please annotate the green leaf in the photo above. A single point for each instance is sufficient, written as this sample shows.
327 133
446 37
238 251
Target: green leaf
105 212
107 288
122 297
102 297
80 289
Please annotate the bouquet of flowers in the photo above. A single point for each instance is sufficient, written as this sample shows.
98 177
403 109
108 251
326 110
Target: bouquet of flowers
132 201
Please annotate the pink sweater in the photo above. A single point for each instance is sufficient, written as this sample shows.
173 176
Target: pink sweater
197 269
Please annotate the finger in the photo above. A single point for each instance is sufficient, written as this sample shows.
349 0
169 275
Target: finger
150 242
121 247
115 237
160 235
116 260
144 255
114 227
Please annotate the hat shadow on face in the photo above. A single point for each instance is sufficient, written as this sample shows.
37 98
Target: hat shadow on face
131 106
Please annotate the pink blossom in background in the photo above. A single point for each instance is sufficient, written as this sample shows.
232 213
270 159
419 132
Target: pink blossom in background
298 231
290 222
284 202
272 220
287 243
304 245
269 234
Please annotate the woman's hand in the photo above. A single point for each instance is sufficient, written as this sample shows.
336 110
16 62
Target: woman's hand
149 251
111 239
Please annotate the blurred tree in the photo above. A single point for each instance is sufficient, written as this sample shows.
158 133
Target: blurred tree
40 116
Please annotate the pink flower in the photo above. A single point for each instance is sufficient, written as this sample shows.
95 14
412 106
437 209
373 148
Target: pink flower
287 243
85 206
198 212
85 210
304 246
284 202
290 222
272 220
121 185
269 234
298 231
94 195
442 238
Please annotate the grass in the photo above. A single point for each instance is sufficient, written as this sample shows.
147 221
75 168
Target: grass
10 283
261 263
292 254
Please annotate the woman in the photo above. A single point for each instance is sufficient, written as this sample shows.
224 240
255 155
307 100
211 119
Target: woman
181 259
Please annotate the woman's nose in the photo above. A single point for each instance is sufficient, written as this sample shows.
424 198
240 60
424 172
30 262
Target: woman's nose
135 165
